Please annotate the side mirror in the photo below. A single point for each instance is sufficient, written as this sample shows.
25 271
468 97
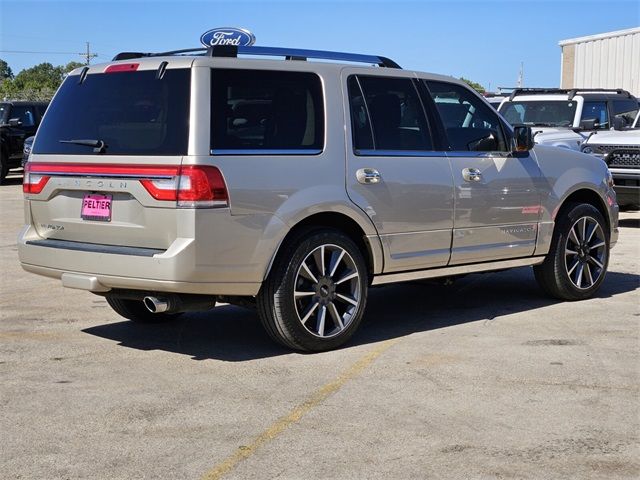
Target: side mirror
522 139
619 123
14 122
588 124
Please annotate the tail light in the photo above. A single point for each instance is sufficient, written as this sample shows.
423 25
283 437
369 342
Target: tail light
194 186
33 182
190 186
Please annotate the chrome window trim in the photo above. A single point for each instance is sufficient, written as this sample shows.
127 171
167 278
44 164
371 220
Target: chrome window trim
265 152
400 153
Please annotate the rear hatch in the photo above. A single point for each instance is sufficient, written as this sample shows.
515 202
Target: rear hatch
106 162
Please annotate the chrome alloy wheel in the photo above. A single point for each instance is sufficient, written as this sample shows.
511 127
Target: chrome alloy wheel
585 253
327 291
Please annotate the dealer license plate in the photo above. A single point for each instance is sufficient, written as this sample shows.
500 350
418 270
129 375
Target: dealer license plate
96 207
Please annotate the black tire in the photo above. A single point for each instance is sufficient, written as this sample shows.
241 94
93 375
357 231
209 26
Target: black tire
568 271
135 311
4 167
334 319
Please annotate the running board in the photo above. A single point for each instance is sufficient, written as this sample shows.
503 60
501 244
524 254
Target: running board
456 270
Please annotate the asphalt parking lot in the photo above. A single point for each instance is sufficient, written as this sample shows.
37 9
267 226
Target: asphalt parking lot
486 378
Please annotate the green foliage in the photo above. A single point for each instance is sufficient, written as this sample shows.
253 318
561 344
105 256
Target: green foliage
39 82
476 86
5 71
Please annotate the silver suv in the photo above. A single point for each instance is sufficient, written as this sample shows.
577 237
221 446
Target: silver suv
170 182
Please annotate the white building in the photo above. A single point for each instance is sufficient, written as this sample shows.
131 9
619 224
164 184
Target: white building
606 60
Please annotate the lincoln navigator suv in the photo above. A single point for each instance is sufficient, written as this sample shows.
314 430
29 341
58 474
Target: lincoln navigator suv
169 182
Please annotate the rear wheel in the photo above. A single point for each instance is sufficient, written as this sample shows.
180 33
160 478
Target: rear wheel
135 311
315 295
577 261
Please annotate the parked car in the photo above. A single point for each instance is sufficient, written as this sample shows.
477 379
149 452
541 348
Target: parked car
18 120
494 99
565 118
26 149
621 152
169 182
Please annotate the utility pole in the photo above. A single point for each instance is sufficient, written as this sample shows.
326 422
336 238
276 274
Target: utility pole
88 55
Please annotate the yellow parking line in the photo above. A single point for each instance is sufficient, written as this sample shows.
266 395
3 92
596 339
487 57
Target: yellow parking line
297 413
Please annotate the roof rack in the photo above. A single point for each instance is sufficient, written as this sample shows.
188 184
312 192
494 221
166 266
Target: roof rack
571 92
288 53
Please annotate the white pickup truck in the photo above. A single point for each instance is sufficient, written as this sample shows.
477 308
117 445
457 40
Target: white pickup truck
621 151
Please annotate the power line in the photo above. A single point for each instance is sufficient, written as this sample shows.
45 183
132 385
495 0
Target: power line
30 51
88 55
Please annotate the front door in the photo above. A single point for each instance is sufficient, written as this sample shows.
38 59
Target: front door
395 175
497 194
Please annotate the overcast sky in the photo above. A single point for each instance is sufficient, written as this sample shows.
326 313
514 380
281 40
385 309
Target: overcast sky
481 40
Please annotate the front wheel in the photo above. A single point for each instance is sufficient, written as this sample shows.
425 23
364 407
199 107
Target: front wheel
315 295
577 261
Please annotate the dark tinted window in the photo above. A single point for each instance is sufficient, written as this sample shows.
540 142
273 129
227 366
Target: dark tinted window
132 112
25 113
625 110
596 111
264 110
390 109
470 123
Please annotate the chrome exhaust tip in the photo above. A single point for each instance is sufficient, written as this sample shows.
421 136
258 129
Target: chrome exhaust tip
155 305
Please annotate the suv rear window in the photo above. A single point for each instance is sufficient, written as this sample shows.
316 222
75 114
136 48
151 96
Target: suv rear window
266 111
133 113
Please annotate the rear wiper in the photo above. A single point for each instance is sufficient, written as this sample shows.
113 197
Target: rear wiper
98 145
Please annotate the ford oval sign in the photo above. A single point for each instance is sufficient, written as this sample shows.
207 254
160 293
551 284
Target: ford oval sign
236 37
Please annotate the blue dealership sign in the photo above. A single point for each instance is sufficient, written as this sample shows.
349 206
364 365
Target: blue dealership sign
237 37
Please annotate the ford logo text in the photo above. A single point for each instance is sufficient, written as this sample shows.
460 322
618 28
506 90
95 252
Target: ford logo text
236 37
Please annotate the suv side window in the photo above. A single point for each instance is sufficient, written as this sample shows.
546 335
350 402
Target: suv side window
25 113
470 123
387 114
266 110
597 111
626 110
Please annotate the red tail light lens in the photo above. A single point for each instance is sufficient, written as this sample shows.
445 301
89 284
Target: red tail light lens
194 186
191 186
33 182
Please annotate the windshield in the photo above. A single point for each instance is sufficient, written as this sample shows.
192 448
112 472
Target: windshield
540 113
132 113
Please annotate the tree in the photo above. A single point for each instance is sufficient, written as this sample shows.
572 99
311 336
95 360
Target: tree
36 83
5 71
476 86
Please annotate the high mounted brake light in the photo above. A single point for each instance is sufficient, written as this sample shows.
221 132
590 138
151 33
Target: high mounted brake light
190 186
122 67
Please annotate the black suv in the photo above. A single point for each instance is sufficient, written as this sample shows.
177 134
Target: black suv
18 120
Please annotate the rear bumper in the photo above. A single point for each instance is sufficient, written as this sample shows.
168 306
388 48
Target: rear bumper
219 255
99 283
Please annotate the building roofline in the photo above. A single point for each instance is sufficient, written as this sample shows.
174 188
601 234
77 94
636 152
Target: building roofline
599 36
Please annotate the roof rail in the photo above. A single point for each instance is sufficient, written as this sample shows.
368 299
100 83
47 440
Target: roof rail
288 53
571 92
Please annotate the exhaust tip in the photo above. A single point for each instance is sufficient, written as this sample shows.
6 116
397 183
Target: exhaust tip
155 305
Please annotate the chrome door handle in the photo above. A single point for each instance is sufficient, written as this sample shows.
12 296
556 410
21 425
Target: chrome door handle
368 176
471 174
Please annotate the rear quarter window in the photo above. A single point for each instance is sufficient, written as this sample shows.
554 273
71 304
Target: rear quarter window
262 111
132 112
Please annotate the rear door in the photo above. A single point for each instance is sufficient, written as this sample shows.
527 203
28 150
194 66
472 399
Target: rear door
395 172
113 195
497 196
